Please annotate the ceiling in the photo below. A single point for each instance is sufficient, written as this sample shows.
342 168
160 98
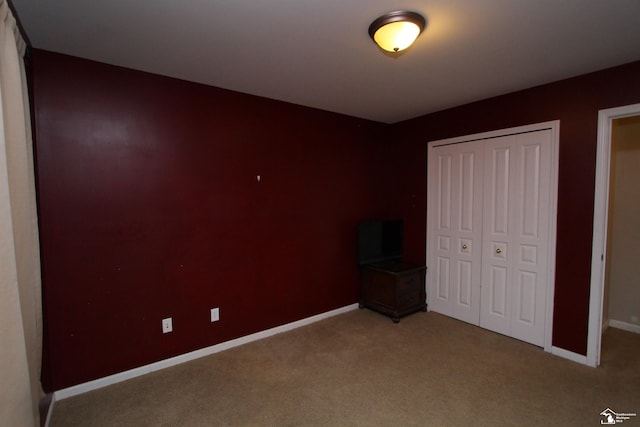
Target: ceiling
318 52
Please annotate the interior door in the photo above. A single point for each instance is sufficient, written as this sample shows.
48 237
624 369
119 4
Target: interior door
497 224
455 174
531 236
516 234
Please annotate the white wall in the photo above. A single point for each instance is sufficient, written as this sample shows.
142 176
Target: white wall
623 267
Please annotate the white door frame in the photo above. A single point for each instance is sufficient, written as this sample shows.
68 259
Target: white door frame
600 219
553 209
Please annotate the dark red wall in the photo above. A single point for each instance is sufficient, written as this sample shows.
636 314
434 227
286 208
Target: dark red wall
575 102
150 207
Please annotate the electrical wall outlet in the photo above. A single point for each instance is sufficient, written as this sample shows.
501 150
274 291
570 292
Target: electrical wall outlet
215 314
167 325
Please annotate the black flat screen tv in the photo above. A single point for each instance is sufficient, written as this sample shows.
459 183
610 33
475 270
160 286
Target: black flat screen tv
379 241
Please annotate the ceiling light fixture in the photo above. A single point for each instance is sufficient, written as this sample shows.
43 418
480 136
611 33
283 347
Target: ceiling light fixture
396 31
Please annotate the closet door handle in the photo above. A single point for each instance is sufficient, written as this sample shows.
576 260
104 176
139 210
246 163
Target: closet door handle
498 251
464 246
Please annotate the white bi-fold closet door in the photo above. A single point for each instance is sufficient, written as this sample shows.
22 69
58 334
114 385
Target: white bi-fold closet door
491 230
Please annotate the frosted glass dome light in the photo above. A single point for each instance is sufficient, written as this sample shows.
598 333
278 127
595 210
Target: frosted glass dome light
396 31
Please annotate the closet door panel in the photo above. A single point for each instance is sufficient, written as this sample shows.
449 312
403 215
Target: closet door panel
468 232
516 234
497 301
455 196
498 213
443 186
439 275
441 299
531 236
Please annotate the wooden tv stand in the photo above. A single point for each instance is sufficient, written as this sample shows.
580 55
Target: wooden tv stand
393 288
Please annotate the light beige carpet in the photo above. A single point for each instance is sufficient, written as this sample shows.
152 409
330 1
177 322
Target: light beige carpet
361 369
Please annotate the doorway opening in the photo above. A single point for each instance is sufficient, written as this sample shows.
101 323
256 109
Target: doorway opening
613 289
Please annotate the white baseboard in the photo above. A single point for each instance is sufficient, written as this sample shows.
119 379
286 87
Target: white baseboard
142 370
566 354
630 327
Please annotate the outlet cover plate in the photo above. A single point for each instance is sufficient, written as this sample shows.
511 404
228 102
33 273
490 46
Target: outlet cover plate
167 325
215 314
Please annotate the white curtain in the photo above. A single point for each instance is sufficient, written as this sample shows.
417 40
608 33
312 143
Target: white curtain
20 287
